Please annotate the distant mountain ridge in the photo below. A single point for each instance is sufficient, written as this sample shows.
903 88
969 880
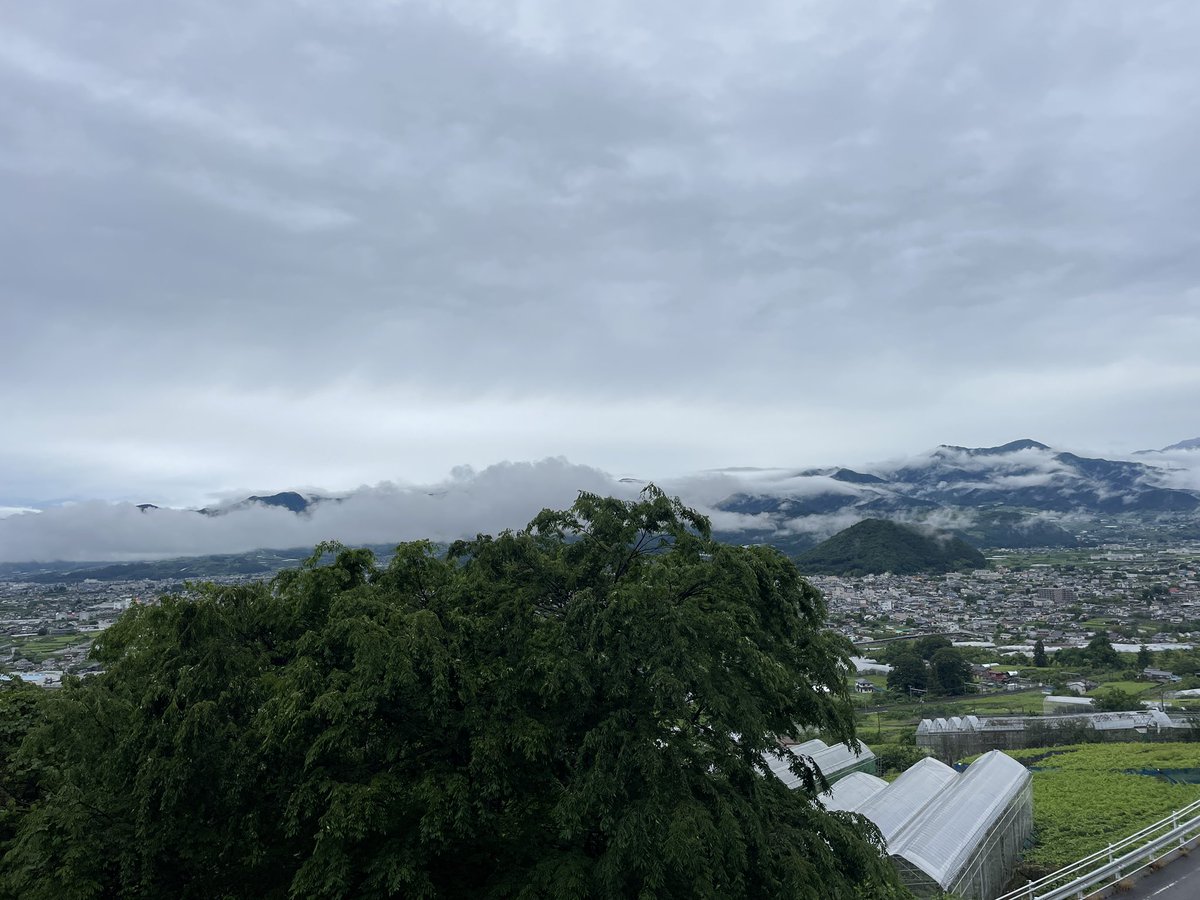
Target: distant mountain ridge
1016 494
1190 444
1023 493
289 500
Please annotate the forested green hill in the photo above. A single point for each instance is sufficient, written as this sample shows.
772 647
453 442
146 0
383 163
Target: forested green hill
874 546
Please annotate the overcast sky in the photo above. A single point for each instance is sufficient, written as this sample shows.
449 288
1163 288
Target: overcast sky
268 244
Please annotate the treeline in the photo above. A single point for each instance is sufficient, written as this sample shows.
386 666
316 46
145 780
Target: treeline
578 709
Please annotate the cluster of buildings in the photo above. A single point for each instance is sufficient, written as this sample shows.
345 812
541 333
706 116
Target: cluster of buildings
46 631
1154 599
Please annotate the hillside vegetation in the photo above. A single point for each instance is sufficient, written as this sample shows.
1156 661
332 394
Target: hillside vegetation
875 546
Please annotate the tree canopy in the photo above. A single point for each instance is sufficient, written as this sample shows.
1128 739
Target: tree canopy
1144 657
1039 654
577 709
949 672
1116 700
908 672
1099 654
927 646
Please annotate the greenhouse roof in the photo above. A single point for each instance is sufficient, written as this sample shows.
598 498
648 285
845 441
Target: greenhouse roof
830 760
836 759
808 748
905 797
1064 700
1101 721
852 791
1131 719
941 839
954 723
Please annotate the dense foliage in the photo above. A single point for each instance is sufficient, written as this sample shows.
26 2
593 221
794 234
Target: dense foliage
1117 700
949 673
931 664
578 709
1099 654
874 546
1039 654
908 673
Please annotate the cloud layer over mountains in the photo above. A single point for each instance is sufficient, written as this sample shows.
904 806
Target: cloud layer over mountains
947 487
499 497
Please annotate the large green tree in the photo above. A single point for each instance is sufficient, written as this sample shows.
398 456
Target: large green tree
1101 653
1039 654
1145 658
931 644
909 672
22 709
578 709
1116 700
949 672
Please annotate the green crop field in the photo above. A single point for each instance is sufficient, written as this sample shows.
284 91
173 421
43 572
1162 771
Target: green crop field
1086 796
39 647
1000 703
1130 687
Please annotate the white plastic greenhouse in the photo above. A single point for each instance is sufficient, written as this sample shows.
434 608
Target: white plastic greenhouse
956 737
852 791
834 762
966 841
960 834
945 832
907 796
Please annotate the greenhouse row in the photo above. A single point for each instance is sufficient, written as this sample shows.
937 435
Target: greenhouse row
957 736
945 831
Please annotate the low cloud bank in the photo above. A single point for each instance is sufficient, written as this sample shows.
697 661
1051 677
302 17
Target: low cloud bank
502 496
1181 468
466 503
507 495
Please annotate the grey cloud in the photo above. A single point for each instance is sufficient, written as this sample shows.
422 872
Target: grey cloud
812 234
1175 469
822 526
499 497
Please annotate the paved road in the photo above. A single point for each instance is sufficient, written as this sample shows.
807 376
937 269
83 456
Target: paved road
1180 880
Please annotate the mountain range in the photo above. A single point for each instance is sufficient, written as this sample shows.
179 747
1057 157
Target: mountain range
1020 494
1188 445
1023 493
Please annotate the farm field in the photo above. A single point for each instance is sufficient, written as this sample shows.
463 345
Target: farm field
1086 796
1129 687
40 647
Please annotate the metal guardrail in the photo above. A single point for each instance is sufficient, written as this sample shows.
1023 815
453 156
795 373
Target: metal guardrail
1108 867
